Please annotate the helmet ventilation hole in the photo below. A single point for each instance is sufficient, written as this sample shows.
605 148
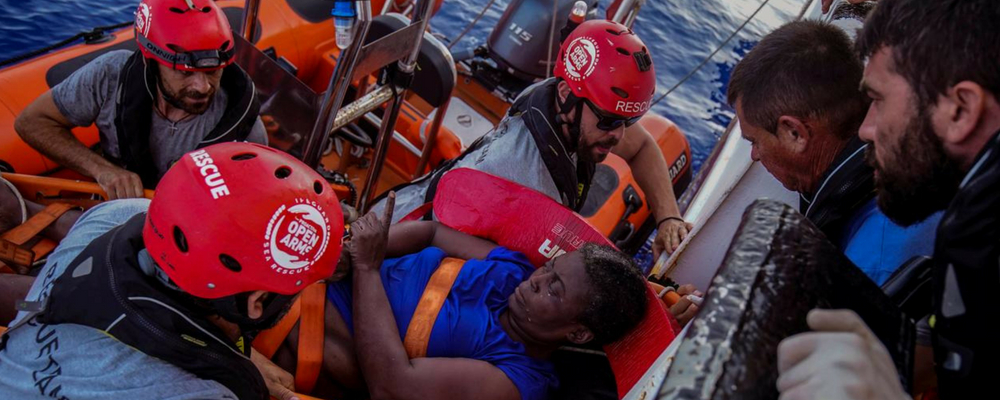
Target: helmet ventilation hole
623 51
613 32
318 187
244 156
620 92
176 10
230 263
282 172
180 240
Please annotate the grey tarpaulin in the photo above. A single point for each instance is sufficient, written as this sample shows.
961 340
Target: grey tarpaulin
778 267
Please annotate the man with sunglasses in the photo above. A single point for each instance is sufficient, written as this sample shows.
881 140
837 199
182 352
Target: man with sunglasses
178 92
559 129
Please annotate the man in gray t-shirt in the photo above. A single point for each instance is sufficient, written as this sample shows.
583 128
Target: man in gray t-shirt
179 92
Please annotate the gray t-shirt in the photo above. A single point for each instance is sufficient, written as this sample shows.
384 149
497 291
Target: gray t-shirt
509 152
68 361
88 96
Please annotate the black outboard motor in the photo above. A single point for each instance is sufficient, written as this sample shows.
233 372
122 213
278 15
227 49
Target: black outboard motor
518 43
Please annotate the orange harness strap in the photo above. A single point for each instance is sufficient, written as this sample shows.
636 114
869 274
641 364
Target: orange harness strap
311 335
309 312
418 334
12 241
267 342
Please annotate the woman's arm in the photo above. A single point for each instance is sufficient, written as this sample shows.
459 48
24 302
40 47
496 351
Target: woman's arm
387 369
414 236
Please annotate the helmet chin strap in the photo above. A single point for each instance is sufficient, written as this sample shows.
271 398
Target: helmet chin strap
234 309
572 104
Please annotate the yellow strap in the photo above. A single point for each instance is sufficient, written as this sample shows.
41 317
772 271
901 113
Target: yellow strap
418 334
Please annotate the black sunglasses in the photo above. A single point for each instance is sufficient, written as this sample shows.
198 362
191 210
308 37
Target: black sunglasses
610 122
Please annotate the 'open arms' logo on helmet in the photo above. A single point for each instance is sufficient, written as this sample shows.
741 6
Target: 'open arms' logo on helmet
581 58
296 237
142 19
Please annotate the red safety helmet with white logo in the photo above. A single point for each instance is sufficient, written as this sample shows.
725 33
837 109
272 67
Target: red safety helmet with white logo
187 35
605 63
238 217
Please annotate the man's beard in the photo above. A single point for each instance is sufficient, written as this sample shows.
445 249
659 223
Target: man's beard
586 152
176 100
917 178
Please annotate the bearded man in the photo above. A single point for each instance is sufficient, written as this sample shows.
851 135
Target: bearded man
179 92
933 75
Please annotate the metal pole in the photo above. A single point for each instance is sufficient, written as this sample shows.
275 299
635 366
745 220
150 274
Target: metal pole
627 11
431 141
406 67
335 91
250 9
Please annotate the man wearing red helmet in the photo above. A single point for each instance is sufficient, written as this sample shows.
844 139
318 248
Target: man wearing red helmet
604 82
180 91
161 299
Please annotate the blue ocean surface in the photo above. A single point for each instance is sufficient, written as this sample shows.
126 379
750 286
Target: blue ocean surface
681 34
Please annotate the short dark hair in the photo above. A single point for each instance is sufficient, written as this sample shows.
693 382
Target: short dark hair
617 293
936 44
804 69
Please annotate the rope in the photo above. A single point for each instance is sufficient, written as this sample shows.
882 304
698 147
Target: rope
470 25
707 59
89 35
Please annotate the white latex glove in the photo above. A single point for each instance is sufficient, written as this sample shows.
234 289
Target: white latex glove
840 359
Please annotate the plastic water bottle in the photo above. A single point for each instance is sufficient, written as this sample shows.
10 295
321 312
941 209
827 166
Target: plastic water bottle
343 22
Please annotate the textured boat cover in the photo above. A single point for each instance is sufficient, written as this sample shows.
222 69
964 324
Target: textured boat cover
778 267
528 221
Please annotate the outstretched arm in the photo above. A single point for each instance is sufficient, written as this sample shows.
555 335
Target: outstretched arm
47 130
413 236
650 170
387 369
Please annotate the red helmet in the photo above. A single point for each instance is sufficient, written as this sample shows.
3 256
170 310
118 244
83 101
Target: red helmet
607 64
238 217
189 35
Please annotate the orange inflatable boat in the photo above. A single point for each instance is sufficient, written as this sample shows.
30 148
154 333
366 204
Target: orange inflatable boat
298 37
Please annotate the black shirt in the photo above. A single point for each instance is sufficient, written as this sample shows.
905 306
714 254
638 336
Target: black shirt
967 283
